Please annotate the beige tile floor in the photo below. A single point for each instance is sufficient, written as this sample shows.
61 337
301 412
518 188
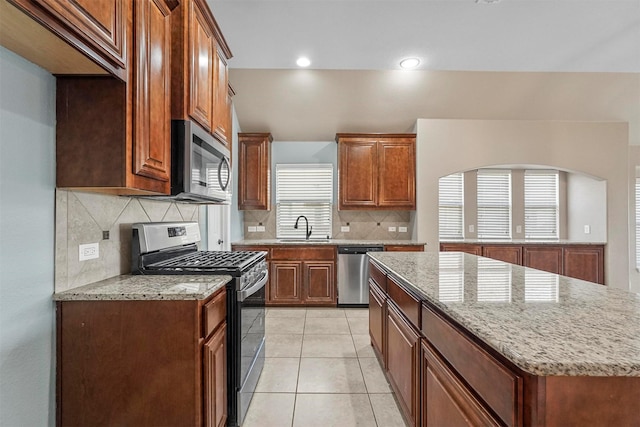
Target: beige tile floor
320 371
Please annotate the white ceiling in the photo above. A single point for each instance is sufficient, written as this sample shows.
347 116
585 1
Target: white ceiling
513 35
514 60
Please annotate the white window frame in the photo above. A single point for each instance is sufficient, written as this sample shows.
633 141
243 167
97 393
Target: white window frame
541 204
451 206
494 209
304 189
637 193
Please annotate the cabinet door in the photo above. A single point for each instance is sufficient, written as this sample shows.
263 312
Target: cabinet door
215 379
546 258
152 88
506 253
286 282
201 47
445 400
461 247
221 95
103 24
377 318
319 282
397 173
254 171
584 262
402 351
358 174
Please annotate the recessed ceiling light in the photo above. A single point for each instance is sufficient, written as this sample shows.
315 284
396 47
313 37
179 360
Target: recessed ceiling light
487 1
303 62
409 63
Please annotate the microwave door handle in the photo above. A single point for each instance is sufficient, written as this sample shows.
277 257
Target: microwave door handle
226 184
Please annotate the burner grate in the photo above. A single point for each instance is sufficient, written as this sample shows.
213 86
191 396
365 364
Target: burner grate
209 259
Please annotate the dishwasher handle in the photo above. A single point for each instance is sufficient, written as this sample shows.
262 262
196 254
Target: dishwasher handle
358 250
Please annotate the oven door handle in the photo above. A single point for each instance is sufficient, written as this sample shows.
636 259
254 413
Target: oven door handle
245 293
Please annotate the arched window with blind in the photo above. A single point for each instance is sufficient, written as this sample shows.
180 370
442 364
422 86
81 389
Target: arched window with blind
541 205
451 206
494 204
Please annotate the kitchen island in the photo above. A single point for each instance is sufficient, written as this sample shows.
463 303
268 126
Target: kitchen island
475 341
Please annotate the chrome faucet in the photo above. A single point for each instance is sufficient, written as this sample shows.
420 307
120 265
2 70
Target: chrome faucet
309 229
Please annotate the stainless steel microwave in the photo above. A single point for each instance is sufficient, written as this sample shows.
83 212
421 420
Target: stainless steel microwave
200 165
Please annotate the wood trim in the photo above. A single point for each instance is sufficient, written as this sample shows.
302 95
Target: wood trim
340 136
217 33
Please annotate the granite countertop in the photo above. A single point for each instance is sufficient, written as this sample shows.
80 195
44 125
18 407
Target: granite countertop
334 242
129 287
524 242
544 323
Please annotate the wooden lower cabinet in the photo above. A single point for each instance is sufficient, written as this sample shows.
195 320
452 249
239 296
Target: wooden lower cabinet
215 379
286 282
445 400
580 261
461 247
402 355
545 258
319 285
510 254
584 262
377 318
141 363
404 248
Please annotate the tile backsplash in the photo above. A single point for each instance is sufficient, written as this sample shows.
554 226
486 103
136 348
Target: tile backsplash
82 217
363 225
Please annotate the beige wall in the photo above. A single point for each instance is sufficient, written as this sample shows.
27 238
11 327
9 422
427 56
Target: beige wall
596 148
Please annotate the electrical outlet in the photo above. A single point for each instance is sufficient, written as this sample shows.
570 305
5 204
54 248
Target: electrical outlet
587 229
518 229
392 229
402 229
345 229
88 251
472 229
260 229
252 229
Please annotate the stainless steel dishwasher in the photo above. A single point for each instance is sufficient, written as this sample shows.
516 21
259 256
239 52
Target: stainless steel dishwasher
353 274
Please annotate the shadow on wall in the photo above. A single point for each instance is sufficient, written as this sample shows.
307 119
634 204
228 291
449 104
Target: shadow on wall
580 200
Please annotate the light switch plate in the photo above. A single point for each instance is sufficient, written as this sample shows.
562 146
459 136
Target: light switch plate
587 229
392 229
345 229
402 229
88 251
472 229
260 229
252 229
518 229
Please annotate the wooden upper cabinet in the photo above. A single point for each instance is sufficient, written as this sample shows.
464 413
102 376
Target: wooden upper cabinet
201 49
397 173
152 108
199 69
221 106
114 136
358 169
254 171
97 33
376 171
102 24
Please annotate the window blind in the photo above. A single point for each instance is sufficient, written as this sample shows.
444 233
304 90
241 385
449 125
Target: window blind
541 204
540 286
451 277
494 280
304 189
494 204
451 206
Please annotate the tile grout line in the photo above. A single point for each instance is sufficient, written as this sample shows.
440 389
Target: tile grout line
363 380
295 396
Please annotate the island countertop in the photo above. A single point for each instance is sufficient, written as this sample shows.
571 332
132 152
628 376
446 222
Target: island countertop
153 287
546 324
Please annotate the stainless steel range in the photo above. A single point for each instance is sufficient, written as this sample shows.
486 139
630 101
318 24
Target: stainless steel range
171 248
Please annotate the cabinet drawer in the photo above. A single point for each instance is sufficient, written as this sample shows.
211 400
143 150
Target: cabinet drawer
404 248
407 303
498 386
378 276
214 312
302 253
